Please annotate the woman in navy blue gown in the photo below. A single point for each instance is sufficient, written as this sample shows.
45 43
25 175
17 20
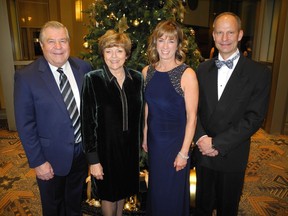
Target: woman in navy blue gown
171 96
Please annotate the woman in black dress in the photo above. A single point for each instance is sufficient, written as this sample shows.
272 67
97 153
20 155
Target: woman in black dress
111 111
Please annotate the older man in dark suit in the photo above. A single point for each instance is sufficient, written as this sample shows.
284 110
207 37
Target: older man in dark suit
47 101
233 100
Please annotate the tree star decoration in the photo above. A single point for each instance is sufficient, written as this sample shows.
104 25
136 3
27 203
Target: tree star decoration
122 24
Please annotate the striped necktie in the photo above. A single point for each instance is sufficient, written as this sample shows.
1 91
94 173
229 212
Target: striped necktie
70 102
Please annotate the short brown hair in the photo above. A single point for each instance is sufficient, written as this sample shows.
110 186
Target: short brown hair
112 38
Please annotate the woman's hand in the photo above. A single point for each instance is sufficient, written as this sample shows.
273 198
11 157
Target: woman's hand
97 171
180 163
145 146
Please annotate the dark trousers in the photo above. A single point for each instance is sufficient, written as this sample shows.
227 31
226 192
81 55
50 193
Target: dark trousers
218 190
63 195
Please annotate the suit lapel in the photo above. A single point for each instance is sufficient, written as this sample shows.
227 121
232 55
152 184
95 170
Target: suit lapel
48 78
234 86
210 80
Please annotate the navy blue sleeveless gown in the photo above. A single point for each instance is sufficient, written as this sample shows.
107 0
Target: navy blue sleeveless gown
168 190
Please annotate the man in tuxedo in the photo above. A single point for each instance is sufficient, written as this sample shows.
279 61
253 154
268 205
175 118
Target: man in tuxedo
45 127
233 100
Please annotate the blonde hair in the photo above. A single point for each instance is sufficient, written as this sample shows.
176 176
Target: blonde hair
52 24
172 30
112 38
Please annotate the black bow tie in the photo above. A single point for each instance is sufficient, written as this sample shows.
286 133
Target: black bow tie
228 63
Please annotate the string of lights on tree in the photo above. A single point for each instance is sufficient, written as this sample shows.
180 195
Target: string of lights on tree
137 18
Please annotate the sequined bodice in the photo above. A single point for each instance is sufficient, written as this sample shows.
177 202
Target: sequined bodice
174 75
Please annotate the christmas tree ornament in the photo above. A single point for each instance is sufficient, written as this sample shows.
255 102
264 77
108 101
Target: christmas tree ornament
86 45
136 22
192 32
122 25
131 204
112 16
174 10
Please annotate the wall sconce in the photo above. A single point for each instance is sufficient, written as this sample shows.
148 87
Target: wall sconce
28 19
78 10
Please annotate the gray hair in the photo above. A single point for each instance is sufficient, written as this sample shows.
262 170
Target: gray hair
52 24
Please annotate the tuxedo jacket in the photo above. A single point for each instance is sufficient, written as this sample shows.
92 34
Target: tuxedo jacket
43 123
237 115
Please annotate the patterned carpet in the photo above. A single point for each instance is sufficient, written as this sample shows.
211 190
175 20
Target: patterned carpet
19 194
265 191
266 181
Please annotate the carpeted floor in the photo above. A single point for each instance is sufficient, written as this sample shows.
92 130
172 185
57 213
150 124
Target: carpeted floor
265 191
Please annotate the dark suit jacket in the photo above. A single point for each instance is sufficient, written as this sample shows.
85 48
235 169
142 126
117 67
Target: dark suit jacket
238 114
42 120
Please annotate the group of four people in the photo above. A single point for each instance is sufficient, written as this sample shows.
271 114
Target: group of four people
165 109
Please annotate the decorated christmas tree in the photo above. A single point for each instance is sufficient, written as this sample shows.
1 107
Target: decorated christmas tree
137 18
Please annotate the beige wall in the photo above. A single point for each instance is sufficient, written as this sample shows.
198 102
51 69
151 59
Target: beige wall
6 68
77 29
277 114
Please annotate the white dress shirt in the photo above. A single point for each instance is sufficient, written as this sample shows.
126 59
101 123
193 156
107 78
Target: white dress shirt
224 73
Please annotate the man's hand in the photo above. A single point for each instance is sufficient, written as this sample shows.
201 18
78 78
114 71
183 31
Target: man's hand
205 146
44 171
